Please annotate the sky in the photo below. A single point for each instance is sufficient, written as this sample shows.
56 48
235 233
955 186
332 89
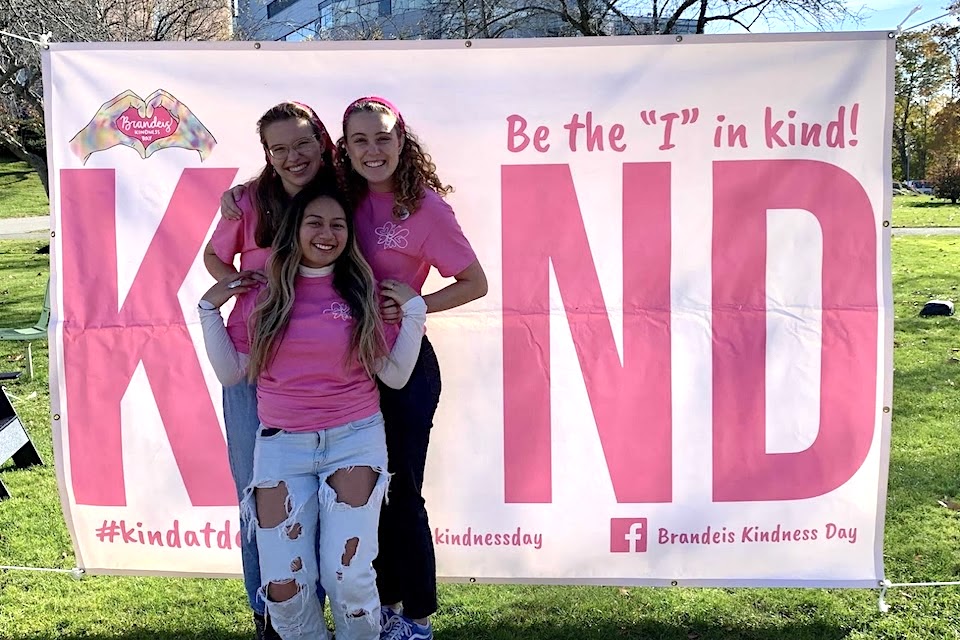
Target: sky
887 14
878 15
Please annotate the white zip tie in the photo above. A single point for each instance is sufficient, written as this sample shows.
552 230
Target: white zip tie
44 38
76 572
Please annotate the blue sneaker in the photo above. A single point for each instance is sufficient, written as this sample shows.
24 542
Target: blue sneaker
403 628
388 616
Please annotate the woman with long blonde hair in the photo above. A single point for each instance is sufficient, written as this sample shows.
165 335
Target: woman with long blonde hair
316 348
297 152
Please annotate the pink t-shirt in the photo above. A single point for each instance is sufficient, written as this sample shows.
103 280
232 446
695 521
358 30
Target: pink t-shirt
405 250
232 237
314 381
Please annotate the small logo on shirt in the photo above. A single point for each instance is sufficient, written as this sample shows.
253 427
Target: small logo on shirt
392 236
339 311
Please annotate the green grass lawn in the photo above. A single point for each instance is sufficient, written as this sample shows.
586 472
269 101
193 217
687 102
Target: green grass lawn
21 193
924 211
922 538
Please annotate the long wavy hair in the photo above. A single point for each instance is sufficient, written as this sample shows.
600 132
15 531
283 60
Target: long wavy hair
269 196
415 169
352 279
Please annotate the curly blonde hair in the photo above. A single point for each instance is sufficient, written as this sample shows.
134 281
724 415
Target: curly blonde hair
415 169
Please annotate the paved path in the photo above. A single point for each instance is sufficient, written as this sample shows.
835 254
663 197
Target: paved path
39 227
25 228
926 231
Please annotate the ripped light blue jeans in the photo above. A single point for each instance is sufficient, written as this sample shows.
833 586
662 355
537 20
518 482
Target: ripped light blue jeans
303 462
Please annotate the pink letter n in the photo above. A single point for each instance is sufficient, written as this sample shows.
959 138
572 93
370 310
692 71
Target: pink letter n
542 225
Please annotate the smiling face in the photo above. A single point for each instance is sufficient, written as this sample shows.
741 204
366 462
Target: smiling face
373 144
294 152
323 233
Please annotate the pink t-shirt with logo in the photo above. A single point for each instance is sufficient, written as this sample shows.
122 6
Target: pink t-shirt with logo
405 249
233 237
314 380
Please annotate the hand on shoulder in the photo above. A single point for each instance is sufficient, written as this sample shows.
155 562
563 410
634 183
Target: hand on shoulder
230 202
233 285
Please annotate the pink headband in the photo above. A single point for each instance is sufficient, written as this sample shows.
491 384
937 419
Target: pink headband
318 123
378 100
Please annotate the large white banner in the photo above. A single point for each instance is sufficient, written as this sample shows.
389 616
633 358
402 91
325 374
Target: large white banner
680 375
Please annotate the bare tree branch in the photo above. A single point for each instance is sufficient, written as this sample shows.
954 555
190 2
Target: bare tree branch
21 101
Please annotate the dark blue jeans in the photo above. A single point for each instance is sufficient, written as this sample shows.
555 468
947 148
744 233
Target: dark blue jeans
406 567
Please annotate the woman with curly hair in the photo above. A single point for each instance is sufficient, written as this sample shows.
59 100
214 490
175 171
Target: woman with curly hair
315 347
404 228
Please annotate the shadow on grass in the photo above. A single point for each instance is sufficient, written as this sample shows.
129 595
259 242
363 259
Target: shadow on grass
642 630
926 478
929 204
143 634
10 176
602 630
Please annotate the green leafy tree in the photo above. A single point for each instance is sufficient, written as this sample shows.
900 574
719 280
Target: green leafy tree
922 72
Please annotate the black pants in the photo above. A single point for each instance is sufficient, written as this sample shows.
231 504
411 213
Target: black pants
406 567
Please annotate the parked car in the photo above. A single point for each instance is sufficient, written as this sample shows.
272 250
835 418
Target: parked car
901 189
921 186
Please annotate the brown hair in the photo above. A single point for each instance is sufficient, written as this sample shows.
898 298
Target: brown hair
269 196
415 169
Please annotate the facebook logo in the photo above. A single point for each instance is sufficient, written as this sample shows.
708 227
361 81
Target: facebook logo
628 535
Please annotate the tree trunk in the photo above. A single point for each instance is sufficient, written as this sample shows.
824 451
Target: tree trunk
904 162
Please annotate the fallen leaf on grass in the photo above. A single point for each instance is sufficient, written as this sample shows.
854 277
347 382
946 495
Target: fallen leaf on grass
624 592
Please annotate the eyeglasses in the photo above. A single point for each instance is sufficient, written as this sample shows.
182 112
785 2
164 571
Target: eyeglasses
301 146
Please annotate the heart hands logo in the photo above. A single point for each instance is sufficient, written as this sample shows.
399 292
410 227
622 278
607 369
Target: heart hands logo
146 125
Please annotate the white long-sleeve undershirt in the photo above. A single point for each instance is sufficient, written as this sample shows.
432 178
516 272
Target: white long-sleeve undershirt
394 370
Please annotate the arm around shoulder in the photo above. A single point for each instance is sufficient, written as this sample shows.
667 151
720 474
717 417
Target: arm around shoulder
216 267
